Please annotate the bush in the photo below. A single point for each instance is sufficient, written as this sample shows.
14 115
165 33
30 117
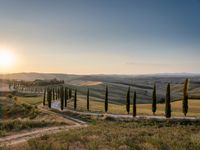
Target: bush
10 96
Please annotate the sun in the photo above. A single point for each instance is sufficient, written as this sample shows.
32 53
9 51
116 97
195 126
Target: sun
7 58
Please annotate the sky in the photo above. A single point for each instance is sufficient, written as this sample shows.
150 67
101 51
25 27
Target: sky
101 36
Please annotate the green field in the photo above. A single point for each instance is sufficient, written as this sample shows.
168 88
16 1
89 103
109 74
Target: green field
142 109
30 100
98 106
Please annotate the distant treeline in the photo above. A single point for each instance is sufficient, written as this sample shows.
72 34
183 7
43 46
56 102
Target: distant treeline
36 82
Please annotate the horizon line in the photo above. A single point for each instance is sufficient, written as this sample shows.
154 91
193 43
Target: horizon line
128 74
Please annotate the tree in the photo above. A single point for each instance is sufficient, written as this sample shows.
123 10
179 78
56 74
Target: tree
88 98
134 104
106 99
167 103
49 97
185 97
61 97
53 94
70 93
154 98
75 99
128 100
44 97
66 96
56 93
59 93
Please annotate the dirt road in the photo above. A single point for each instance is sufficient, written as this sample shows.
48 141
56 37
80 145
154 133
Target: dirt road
25 135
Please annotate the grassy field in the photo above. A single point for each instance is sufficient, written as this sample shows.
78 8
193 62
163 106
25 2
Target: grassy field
101 134
143 85
107 135
19 107
8 127
142 109
22 113
30 100
97 105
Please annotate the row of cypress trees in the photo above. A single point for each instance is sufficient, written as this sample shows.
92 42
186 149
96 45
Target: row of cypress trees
154 100
64 93
168 100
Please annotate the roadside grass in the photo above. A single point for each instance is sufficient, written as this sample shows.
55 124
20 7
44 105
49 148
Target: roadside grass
22 100
123 135
16 108
27 108
21 113
9 126
30 100
142 109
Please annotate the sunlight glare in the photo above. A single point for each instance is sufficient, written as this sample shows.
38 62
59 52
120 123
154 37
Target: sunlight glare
7 58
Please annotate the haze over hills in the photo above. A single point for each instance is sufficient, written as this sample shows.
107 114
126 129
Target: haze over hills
118 84
67 77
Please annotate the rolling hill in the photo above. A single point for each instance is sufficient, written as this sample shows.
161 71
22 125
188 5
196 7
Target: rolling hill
118 84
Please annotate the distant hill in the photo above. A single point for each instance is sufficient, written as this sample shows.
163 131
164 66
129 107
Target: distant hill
34 76
118 84
67 77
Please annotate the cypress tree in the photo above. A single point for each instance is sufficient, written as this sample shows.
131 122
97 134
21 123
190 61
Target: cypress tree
53 94
75 99
61 91
66 96
134 104
44 97
167 103
88 98
185 97
55 90
154 100
128 100
49 97
106 99
70 93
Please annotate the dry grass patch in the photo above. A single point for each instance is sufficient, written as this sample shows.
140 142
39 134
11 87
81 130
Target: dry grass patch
114 135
